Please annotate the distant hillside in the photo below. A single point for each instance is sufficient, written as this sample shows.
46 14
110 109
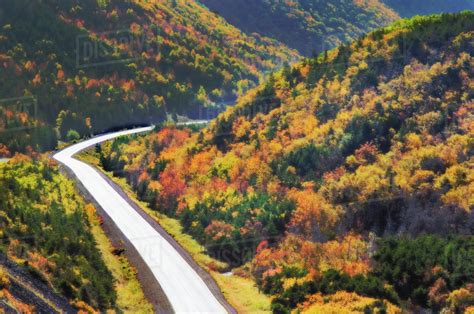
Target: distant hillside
306 25
88 66
408 8
343 181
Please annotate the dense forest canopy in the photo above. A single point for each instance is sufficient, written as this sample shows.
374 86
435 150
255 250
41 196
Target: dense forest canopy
90 66
304 181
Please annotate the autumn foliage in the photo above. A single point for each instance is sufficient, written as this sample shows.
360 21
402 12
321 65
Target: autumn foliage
135 61
300 180
44 228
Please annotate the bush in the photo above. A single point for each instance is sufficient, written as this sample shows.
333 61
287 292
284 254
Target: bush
4 280
72 136
331 282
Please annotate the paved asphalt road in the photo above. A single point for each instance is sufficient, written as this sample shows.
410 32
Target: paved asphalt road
185 289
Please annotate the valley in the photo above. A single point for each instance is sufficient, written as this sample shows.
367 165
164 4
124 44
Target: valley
200 156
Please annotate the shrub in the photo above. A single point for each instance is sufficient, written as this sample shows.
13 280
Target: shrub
72 136
4 279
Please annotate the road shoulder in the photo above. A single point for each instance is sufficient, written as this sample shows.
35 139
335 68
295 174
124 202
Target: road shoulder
151 287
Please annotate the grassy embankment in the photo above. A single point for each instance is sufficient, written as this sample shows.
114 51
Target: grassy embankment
130 296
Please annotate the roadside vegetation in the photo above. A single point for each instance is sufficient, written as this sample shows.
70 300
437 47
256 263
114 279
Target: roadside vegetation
46 227
130 296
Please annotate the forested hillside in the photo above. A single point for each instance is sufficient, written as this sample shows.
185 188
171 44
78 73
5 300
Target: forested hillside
87 66
346 180
44 228
408 8
310 26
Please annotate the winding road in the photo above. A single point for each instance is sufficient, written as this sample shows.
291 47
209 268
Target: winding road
185 289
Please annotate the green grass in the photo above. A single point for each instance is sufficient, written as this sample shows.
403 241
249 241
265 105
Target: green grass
242 293
130 296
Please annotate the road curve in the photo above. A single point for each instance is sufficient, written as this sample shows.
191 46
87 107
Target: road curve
184 288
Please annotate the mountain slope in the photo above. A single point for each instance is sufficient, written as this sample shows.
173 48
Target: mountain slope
88 66
306 25
408 8
45 229
22 292
311 172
